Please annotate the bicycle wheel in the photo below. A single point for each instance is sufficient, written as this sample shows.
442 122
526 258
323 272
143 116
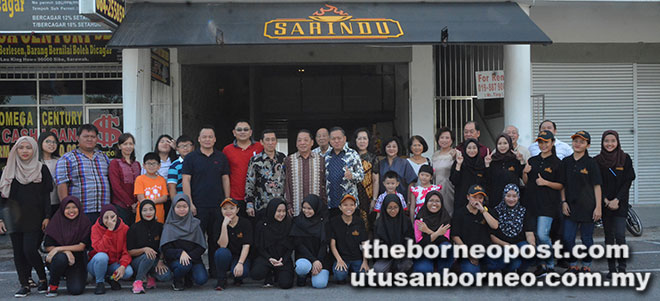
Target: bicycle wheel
634 223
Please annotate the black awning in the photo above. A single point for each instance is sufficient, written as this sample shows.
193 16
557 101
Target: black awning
200 24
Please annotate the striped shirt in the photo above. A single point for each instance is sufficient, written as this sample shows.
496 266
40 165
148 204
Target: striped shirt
87 179
174 175
303 177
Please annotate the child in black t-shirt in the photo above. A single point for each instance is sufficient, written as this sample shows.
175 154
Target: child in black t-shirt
347 234
581 197
234 240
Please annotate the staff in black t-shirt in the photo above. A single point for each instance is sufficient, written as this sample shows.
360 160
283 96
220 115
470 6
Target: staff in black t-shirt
347 234
235 238
472 224
581 197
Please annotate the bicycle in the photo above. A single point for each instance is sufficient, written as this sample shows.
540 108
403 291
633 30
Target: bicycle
633 223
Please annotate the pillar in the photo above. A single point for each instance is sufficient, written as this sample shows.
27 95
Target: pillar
136 94
422 95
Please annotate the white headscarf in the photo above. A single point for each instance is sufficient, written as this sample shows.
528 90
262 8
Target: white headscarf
25 172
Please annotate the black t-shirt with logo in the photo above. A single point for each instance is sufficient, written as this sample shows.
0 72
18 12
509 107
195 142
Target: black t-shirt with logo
239 235
471 228
580 177
543 200
348 238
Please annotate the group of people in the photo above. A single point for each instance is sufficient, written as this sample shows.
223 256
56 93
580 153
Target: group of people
259 213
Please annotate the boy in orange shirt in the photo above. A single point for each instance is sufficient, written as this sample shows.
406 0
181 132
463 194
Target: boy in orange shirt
151 186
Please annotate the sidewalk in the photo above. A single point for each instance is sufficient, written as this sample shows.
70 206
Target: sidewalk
648 213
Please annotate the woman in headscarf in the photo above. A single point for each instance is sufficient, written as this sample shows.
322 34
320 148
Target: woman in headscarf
109 260
25 186
502 167
183 243
143 244
617 171
311 243
516 227
393 228
67 236
467 170
274 247
432 227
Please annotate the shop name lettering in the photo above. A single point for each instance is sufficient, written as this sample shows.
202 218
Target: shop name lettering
320 26
25 126
51 50
48 118
53 45
12 7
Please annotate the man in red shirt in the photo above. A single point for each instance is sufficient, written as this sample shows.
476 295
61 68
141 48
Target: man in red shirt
239 153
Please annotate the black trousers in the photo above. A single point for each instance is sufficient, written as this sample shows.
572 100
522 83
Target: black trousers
26 255
614 228
76 275
208 218
262 269
126 215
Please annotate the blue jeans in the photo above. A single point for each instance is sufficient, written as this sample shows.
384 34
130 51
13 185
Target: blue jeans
144 266
543 226
586 235
468 267
426 265
197 272
353 266
99 268
304 267
495 264
225 261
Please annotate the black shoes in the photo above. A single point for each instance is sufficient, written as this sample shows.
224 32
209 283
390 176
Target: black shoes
177 285
23 292
221 285
114 285
238 282
100 288
42 288
540 271
301 281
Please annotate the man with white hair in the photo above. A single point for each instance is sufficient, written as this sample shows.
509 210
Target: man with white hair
512 132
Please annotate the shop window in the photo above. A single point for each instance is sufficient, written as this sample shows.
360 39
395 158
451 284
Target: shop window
60 92
18 92
64 121
103 91
14 123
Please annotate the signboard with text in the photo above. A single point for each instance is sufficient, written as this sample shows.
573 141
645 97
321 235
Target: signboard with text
45 16
490 84
56 48
108 12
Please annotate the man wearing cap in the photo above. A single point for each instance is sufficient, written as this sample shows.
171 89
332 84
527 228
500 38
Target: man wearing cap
343 170
305 174
471 130
563 149
472 225
581 198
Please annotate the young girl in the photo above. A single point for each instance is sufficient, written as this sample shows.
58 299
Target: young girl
542 177
183 243
617 173
469 169
109 259
393 227
67 236
235 238
166 149
48 147
347 233
25 186
417 145
418 193
432 227
311 243
143 242
581 197
502 167
274 247
122 174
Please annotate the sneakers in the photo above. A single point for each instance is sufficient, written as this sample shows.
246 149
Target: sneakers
43 287
23 292
151 282
541 271
301 281
572 269
221 285
177 285
52 291
31 283
114 285
238 282
585 270
137 287
100 288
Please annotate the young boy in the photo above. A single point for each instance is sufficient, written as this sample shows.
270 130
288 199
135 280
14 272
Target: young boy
347 234
234 239
391 182
151 186
418 193
580 197
184 146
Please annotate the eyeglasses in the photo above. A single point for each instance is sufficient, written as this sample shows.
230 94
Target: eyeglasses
51 142
187 145
242 129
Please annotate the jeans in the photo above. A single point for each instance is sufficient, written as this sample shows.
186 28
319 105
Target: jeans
468 267
543 226
495 264
26 255
426 265
586 235
197 272
144 266
99 267
76 275
353 266
303 269
615 231
225 261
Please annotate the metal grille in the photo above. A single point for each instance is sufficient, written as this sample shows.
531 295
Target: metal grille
453 112
457 64
112 71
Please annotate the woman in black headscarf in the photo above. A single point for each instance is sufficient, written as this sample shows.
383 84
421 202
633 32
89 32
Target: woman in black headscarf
143 242
183 243
432 227
274 247
467 170
617 171
393 228
502 167
311 243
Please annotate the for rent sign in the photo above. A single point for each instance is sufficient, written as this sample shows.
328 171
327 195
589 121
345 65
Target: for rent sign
490 84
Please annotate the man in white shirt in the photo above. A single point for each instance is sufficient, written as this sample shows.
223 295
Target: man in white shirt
563 149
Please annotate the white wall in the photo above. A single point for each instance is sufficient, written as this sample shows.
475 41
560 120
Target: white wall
422 94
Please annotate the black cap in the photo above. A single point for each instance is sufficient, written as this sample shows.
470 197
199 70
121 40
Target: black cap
545 136
582 134
477 189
